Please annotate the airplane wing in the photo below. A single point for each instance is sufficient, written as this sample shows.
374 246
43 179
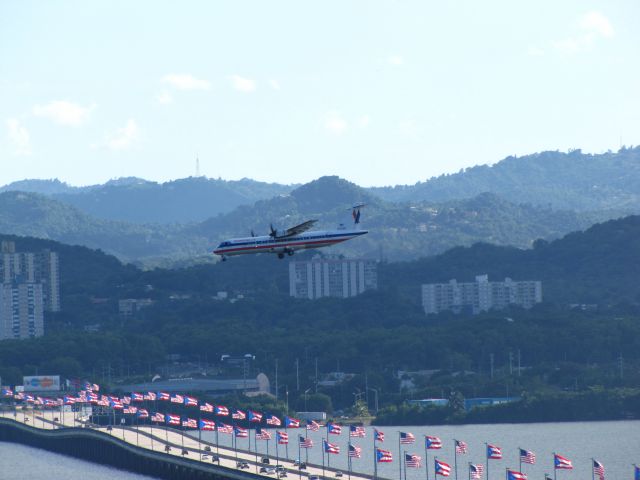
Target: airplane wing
303 227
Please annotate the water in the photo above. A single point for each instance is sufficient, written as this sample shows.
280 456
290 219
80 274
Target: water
615 444
18 462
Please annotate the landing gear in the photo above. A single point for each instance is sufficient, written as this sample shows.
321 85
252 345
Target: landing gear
281 256
224 259
291 252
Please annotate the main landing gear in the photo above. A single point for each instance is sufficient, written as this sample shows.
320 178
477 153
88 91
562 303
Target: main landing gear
287 251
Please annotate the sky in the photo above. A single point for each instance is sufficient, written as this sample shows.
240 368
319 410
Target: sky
377 92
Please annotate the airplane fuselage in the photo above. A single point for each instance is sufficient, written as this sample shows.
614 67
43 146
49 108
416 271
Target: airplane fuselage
285 245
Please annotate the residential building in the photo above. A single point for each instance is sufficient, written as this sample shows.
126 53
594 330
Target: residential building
480 296
332 277
128 307
21 310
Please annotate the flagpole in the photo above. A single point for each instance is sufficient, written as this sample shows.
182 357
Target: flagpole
255 442
593 474
455 457
486 453
349 461
200 437
426 456
404 457
375 455
399 453
323 446
520 459
217 447
506 473
554 466
469 470
299 459
277 450
435 467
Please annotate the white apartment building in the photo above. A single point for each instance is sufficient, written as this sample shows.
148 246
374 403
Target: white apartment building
332 277
21 310
480 296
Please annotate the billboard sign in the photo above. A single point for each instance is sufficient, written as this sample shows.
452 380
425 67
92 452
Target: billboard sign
42 383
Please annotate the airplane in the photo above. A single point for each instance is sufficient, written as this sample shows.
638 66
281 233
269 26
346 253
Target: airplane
286 242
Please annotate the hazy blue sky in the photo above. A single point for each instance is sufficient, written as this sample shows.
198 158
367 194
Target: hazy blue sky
378 92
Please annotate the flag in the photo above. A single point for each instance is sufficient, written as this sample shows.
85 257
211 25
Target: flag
172 419
254 416
354 452
547 477
383 456
241 432
130 410
175 398
238 415
150 396
407 438
164 396
157 417
206 407
442 469
126 400
290 422
432 443
272 420
334 429
561 463
461 447
313 426
636 472
476 471
115 404
262 434
206 425
379 435
190 401
95 387
513 475
330 447
221 410
93 397
142 413
7 392
189 423
358 432
136 397
412 461
69 400
305 442
598 469
493 452
527 456
282 438
224 428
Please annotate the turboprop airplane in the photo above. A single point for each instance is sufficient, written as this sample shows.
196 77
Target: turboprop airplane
287 241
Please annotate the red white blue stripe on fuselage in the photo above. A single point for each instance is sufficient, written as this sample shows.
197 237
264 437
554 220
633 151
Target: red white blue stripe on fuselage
268 244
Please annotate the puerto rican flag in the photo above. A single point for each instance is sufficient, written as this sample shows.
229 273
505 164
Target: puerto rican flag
189 423
221 410
290 422
357 431
493 452
190 401
7 392
176 398
241 432
172 419
158 417
126 400
272 420
442 469
224 428
206 407
331 447
379 435
70 400
334 429
313 426
238 415
207 425
432 443
383 456
164 396
282 437
116 405
561 463
254 416
150 396
93 397
142 413
513 475
137 397
407 438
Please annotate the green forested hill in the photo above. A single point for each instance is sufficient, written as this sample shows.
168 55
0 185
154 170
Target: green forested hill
573 181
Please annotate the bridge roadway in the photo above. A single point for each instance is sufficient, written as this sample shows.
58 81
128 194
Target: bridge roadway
158 438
